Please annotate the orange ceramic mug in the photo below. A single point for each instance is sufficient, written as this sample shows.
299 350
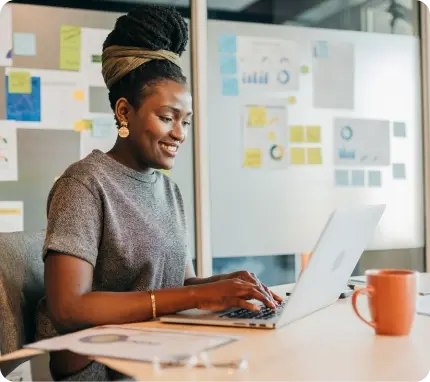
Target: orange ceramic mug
392 298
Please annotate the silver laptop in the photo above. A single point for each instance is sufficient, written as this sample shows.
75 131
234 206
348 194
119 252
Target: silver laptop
341 244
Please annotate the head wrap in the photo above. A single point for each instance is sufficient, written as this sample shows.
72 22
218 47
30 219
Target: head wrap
117 61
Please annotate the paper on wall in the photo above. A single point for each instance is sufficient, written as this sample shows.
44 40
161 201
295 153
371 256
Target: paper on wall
265 137
24 44
333 75
8 152
268 64
11 216
6 36
70 47
135 344
92 45
63 99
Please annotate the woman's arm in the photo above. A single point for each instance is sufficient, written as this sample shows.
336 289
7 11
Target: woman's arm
73 305
191 279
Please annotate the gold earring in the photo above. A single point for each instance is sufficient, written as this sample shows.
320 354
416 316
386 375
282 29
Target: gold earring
123 131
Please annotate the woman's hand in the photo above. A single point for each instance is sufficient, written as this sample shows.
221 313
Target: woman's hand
232 293
252 278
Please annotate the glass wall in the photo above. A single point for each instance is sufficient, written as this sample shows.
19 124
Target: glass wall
257 209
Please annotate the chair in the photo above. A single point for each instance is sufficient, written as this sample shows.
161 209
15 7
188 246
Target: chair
21 287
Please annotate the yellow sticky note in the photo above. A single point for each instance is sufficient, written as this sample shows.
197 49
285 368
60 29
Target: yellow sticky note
165 172
253 158
78 95
297 134
70 48
304 69
81 125
313 134
271 136
314 155
292 100
10 211
19 82
297 155
257 116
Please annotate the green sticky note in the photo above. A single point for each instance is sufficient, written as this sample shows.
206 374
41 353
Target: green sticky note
19 82
70 48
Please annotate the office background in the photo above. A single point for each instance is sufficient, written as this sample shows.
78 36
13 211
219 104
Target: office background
253 218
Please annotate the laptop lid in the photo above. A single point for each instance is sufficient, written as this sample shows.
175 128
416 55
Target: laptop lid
346 235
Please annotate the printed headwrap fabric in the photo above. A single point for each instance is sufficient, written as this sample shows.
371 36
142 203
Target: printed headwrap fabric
117 61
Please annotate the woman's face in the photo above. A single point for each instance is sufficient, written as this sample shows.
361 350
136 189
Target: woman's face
160 125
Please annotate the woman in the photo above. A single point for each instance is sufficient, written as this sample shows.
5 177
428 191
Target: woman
116 246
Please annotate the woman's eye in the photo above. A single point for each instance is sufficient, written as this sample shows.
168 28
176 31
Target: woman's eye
166 119
186 123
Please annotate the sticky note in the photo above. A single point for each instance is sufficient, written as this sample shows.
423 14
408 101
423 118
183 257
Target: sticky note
399 171
297 134
96 58
230 87
257 116
227 43
253 158
357 178
78 95
341 178
271 136
313 134
304 69
24 44
10 211
375 179
102 127
22 106
228 64
292 100
70 48
399 129
165 172
297 155
81 125
19 82
321 49
314 155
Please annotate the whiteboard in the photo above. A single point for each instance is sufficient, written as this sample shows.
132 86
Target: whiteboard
283 211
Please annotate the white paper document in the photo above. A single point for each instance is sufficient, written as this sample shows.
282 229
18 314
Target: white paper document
91 53
11 216
63 99
423 306
265 137
8 152
268 65
6 36
135 344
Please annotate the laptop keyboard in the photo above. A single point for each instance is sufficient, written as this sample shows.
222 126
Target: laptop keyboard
264 314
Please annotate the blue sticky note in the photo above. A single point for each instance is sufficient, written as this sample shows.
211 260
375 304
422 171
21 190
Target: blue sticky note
230 87
24 44
375 179
102 127
399 129
24 107
399 171
342 178
357 178
227 43
321 49
228 64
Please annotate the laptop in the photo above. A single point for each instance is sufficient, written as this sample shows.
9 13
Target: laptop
341 244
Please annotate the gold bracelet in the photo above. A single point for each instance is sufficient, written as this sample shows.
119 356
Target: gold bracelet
154 307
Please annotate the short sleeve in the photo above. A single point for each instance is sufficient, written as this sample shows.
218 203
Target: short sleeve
75 220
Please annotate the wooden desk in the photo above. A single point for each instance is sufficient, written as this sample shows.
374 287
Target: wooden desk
329 345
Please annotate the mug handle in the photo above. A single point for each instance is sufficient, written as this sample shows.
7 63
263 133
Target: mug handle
367 291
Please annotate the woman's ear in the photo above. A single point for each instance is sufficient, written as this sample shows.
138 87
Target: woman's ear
122 109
